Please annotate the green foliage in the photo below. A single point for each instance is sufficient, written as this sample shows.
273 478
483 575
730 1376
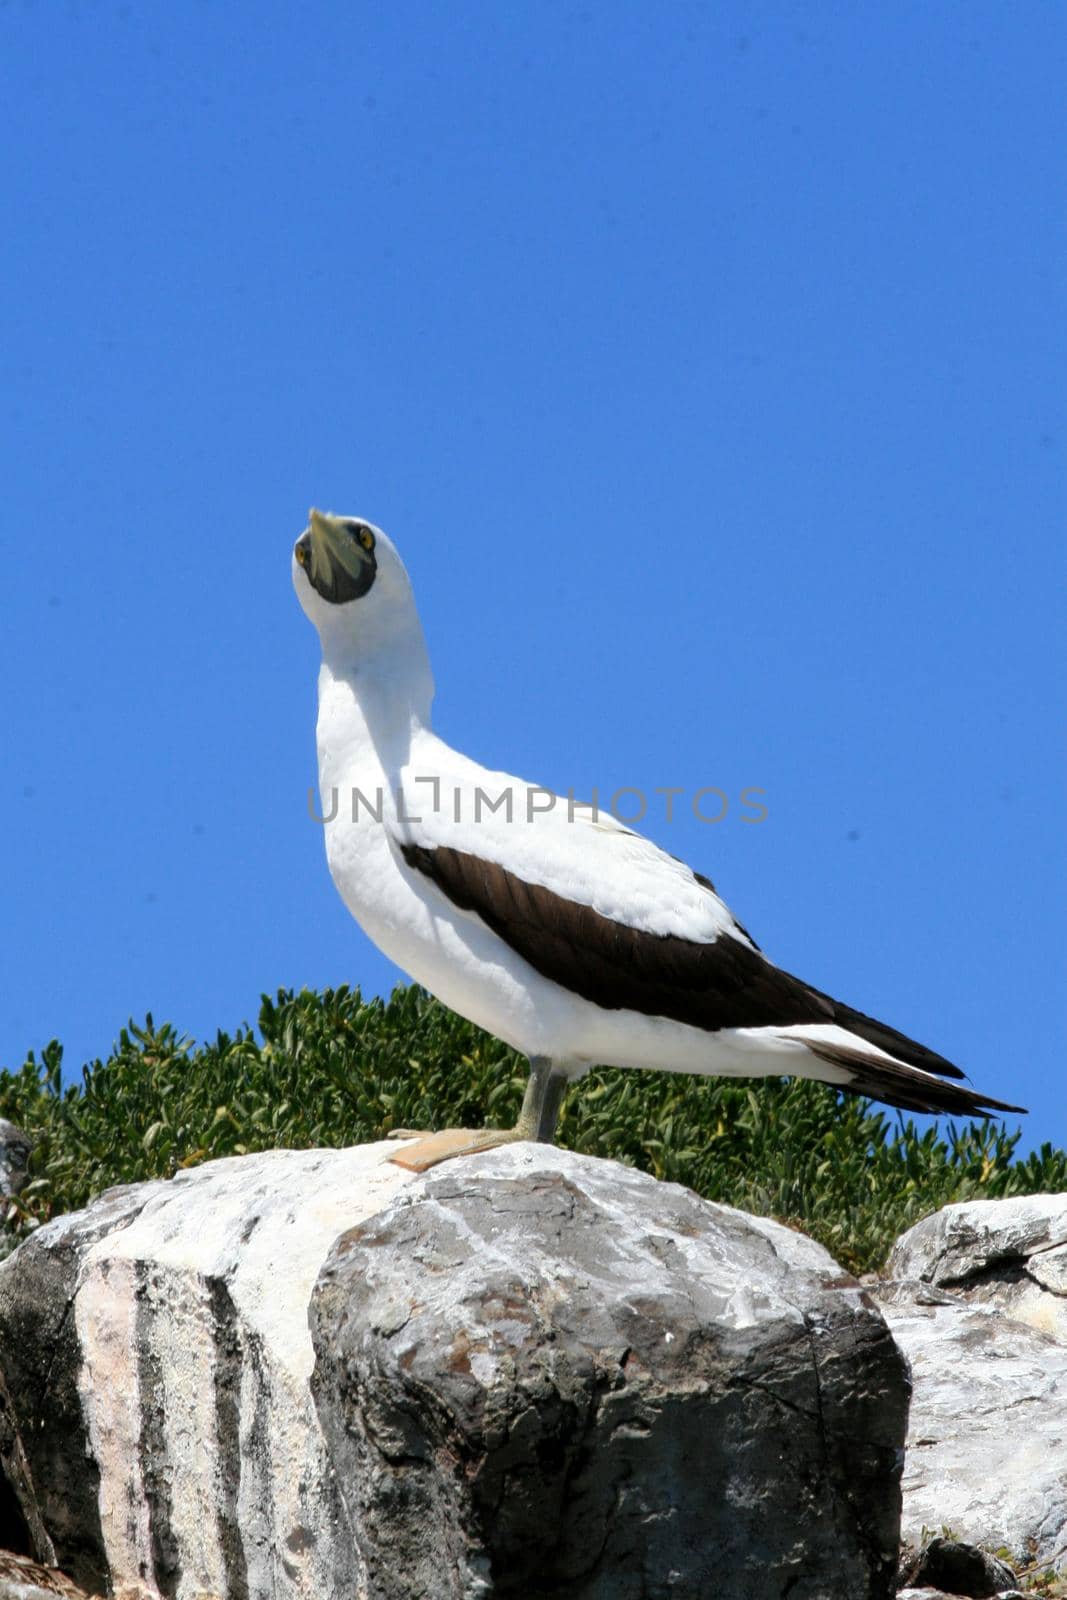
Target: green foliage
333 1069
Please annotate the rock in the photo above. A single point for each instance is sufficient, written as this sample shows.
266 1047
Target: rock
941 1594
12 1589
156 1358
543 1373
951 1566
23 1579
1008 1253
533 1373
988 1425
15 1150
44 1443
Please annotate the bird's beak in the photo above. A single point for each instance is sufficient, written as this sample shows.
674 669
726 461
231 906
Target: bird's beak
323 528
326 543
328 549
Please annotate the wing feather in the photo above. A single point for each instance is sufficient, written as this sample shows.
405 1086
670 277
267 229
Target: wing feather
607 914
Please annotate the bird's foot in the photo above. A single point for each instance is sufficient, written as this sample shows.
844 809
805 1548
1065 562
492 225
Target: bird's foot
537 1120
431 1148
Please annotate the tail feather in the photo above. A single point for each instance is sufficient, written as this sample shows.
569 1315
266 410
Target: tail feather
894 1043
907 1087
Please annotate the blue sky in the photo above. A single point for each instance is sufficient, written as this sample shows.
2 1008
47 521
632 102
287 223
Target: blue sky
706 364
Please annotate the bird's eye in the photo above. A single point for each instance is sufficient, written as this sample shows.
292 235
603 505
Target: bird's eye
366 538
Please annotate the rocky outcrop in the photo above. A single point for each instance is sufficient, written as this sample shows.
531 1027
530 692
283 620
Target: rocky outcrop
924 1593
15 1150
976 1296
23 1579
1009 1254
560 1377
156 1357
315 1374
948 1566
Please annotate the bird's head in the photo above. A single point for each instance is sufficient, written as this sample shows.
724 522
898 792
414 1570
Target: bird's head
353 585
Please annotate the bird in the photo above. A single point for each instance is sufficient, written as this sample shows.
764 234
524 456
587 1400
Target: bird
542 919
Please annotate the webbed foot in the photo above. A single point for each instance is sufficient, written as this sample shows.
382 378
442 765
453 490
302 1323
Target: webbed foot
537 1120
431 1148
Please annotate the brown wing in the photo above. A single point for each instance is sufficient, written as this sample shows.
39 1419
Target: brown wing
721 984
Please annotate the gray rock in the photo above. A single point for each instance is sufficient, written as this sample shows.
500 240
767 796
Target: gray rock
541 1374
972 1304
1008 1253
44 1438
941 1594
11 1589
15 1150
157 1421
23 1579
958 1241
534 1373
958 1568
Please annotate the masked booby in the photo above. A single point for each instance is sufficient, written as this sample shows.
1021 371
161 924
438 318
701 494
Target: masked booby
560 930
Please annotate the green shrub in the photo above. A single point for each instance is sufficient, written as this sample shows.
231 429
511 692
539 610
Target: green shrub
334 1069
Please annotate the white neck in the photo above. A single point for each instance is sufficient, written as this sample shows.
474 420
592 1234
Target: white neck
372 705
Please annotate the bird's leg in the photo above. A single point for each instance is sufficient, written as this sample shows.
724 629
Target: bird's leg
537 1120
541 1102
